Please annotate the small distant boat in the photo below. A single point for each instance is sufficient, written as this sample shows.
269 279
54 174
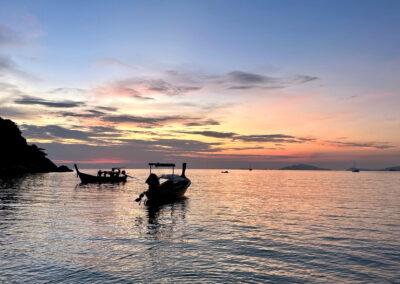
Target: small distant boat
113 176
355 170
172 188
224 172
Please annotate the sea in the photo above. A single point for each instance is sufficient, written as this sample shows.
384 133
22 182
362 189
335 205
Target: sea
260 226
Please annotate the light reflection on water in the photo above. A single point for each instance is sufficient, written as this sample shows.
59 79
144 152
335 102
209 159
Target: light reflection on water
259 226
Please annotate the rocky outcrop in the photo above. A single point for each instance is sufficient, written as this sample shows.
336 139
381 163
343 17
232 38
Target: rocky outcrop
17 157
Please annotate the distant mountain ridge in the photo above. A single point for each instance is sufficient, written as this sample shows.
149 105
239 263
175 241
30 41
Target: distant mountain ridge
304 167
17 157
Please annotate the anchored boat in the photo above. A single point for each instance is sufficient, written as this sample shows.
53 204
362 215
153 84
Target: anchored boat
172 187
355 169
113 176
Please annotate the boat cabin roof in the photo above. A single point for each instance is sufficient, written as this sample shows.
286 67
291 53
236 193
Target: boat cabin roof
161 165
158 165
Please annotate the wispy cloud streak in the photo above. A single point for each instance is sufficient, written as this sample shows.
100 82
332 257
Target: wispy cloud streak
381 146
28 100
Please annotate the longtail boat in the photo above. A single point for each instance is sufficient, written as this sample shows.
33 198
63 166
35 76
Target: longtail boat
113 176
173 187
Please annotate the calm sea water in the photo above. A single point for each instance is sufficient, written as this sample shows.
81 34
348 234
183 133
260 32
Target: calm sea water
252 227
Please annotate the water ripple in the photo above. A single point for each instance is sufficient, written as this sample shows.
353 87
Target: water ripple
250 227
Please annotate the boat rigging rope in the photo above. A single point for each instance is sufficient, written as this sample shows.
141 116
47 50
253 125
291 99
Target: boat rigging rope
132 177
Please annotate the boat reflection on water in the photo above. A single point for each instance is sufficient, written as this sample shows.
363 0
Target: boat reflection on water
163 218
99 186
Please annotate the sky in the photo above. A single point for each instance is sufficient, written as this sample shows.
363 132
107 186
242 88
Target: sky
218 84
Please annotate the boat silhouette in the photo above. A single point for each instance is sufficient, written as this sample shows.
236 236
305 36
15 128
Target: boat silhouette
112 176
355 170
173 187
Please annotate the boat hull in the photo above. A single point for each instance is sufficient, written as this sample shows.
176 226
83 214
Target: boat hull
168 190
85 178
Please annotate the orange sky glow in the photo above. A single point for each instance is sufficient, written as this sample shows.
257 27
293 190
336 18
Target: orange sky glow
229 102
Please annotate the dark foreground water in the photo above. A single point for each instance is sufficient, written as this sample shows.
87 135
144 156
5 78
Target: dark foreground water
252 227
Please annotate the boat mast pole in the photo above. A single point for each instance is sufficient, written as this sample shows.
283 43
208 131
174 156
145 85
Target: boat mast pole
183 170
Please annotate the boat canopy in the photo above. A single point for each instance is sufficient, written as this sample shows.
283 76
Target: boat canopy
161 165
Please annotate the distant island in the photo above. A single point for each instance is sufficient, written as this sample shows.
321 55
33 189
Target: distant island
17 157
304 167
388 169
392 169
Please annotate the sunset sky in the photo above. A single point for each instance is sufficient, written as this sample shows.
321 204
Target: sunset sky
219 84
